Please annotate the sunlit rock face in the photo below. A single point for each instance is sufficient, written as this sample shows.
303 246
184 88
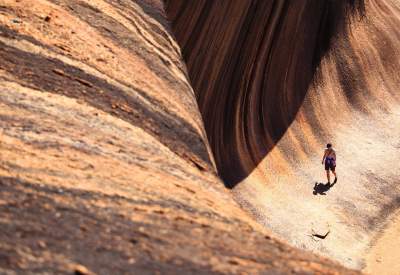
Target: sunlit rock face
277 80
105 166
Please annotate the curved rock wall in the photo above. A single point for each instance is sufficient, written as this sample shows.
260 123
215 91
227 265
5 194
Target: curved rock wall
251 63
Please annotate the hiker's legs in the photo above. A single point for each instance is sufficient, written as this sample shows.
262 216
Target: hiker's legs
328 176
334 172
333 169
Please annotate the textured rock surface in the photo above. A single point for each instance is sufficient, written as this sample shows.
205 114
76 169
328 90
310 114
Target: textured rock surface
276 81
105 166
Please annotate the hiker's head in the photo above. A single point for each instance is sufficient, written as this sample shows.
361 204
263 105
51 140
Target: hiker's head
329 145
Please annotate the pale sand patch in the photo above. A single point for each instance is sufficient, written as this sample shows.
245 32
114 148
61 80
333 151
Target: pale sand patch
384 256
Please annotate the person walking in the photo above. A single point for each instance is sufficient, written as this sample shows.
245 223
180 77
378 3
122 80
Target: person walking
329 159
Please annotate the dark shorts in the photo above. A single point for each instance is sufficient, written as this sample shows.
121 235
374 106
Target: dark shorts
330 165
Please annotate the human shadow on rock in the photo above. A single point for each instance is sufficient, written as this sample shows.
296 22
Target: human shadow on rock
322 188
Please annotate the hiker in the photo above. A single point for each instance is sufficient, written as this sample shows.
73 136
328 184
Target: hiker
330 162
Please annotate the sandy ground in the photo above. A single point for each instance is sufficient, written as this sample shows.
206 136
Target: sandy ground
383 257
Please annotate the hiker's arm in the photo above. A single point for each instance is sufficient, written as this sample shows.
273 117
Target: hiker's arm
323 158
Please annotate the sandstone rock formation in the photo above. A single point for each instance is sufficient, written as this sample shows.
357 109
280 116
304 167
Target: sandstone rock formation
105 166
275 82
108 165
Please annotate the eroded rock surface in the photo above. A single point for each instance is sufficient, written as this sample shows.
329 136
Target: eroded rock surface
105 167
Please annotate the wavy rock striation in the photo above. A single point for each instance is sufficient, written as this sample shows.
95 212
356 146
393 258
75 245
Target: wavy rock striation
276 81
251 64
105 166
